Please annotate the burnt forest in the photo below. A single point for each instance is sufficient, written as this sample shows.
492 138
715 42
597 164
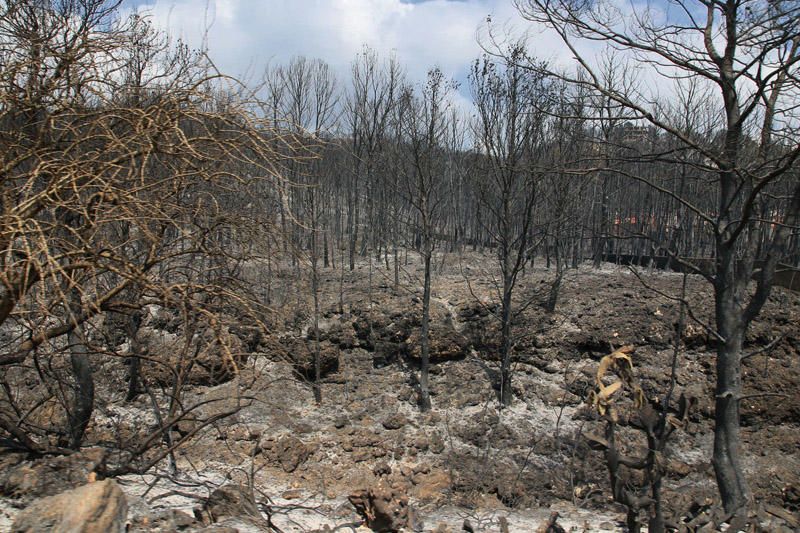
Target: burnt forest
552 292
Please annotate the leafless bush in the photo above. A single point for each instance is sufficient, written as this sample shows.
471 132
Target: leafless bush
134 177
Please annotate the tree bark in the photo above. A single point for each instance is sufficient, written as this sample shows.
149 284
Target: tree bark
506 393
727 457
134 361
424 389
83 396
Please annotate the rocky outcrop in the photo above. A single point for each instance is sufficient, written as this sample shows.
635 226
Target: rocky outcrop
340 334
94 508
446 344
395 332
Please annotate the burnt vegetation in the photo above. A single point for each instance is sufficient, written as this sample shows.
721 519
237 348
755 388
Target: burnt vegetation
167 230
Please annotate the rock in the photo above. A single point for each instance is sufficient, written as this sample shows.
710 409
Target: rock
387 353
219 400
302 428
48 476
252 337
395 421
420 442
378 452
236 433
593 343
361 455
415 523
218 357
446 344
10 459
382 469
431 419
140 515
179 519
481 428
553 367
384 509
290 452
169 520
432 487
158 317
94 508
365 439
465 398
292 494
678 468
422 468
220 528
695 336
436 443
484 335
394 333
185 426
300 352
340 334
552 525
231 501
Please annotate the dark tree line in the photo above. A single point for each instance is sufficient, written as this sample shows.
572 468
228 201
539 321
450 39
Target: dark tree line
619 180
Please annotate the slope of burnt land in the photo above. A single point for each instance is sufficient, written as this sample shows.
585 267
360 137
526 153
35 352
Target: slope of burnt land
466 457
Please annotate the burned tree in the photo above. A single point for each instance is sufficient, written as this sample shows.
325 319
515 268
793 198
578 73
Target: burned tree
117 195
748 53
511 102
424 126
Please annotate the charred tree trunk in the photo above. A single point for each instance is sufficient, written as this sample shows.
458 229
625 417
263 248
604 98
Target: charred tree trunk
80 413
555 286
424 388
134 360
727 458
506 392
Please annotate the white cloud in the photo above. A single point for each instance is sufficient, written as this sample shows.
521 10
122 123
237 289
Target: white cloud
244 35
